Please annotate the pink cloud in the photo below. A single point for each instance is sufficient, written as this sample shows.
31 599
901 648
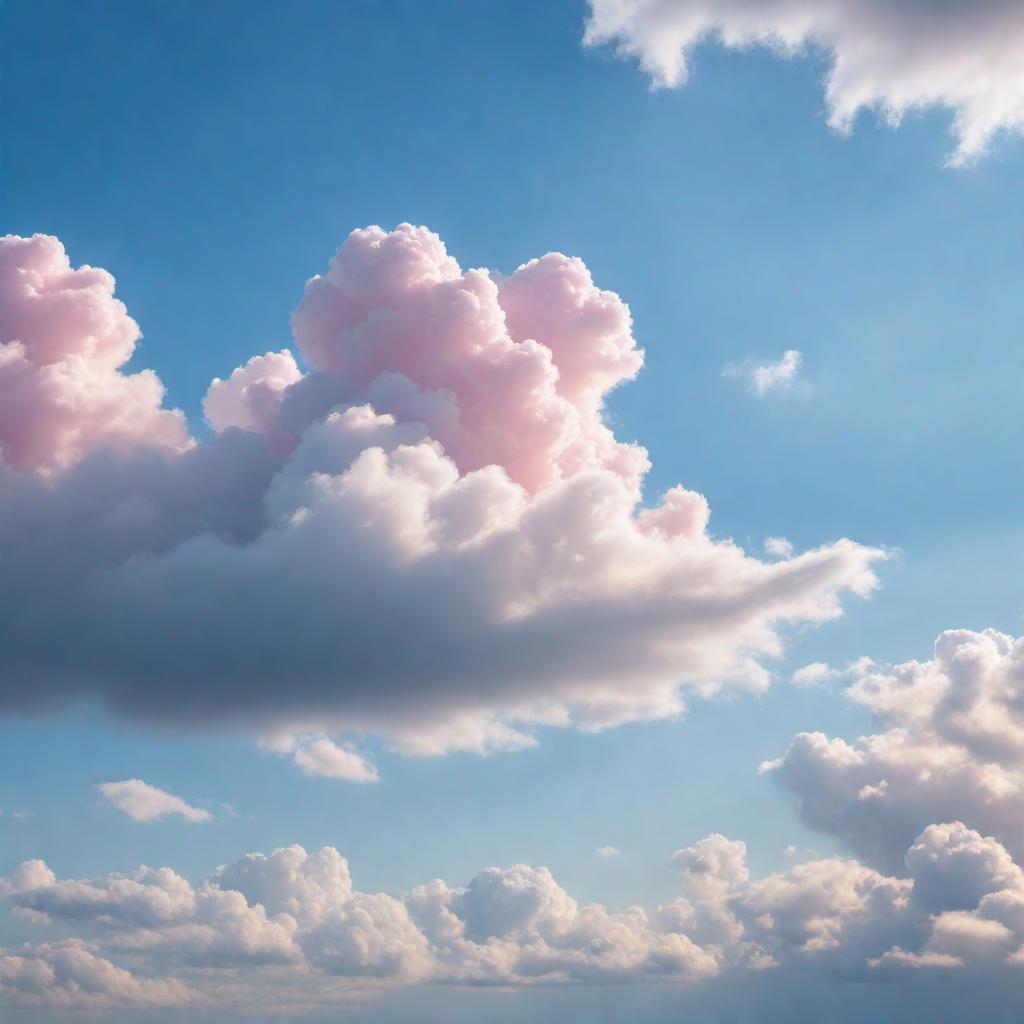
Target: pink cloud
431 535
527 359
63 337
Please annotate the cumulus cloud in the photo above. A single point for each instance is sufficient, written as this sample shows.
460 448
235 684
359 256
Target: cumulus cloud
431 534
763 378
68 975
63 338
608 852
143 802
250 399
962 55
950 749
320 756
283 925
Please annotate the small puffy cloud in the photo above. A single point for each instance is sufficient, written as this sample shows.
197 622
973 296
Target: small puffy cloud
429 533
715 865
818 672
763 378
608 852
814 674
250 399
143 802
778 547
894 59
321 756
950 746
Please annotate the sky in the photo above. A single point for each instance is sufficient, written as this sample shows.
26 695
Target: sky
691 673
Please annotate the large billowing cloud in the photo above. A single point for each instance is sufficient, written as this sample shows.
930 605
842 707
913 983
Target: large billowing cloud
894 58
288 929
432 535
952 748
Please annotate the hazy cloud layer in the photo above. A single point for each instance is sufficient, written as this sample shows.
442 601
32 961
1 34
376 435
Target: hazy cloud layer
951 748
431 534
893 58
288 929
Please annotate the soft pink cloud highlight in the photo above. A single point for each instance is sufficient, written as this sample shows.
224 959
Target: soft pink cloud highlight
63 338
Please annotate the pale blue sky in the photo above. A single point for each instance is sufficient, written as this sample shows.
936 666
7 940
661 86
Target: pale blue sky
213 157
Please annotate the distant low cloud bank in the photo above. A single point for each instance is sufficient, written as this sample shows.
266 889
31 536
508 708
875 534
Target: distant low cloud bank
290 931
428 533
893 58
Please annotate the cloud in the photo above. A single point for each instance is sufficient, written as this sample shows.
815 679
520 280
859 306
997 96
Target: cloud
961 55
431 534
814 674
251 398
763 378
68 975
950 749
289 929
319 756
608 852
63 337
142 802
778 547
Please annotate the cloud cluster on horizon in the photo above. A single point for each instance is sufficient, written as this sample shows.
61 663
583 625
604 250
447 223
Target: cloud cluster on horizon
289 930
893 58
430 534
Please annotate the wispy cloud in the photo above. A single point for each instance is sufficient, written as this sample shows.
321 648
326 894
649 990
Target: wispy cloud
763 378
143 802
778 547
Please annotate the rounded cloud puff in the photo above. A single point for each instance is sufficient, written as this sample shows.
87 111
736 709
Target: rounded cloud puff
431 534
63 337
526 360
951 749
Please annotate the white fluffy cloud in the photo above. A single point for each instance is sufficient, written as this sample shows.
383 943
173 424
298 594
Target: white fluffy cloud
143 802
893 58
951 749
320 756
69 975
431 534
279 927
763 378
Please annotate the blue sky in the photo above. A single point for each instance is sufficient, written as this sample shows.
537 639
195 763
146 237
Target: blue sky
213 158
